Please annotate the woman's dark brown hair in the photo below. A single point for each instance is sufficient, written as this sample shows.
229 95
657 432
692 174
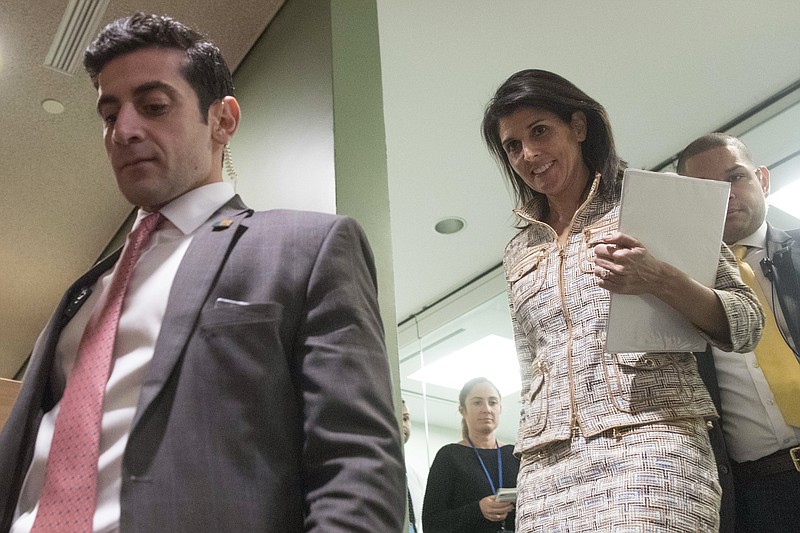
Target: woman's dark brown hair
546 90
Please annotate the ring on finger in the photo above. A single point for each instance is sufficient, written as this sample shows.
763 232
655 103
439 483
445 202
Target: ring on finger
604 273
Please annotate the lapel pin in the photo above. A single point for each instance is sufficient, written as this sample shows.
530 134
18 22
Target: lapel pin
225 223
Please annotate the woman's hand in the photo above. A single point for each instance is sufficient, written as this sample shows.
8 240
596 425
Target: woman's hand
494 511
623 265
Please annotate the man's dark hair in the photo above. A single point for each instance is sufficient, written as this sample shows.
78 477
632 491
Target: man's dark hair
708 142
204 68
546 90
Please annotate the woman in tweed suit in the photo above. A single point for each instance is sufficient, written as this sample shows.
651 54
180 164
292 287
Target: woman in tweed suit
608 442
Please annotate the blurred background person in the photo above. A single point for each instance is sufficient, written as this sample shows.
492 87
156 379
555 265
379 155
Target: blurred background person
465 476
757 393
607 441
414 483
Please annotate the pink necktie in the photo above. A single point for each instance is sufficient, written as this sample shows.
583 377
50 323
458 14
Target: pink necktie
67 502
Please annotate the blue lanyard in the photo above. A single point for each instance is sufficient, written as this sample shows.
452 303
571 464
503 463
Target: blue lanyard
499 465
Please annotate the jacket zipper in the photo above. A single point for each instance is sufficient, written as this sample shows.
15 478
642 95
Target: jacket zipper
562 255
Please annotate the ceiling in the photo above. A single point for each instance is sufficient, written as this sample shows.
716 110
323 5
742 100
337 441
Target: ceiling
666 72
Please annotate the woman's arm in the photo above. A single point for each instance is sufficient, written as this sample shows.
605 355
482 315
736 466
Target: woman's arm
623 265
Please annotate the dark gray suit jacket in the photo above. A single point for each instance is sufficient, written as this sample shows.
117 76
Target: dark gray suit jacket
273 416
705 363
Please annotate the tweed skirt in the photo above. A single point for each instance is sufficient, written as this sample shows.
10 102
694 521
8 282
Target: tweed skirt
650 478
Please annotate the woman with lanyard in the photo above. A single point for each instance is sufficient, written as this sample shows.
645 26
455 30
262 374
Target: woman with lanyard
465 476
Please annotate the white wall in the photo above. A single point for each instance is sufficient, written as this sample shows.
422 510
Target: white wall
283 151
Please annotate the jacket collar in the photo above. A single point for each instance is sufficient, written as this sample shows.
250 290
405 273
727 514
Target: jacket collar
535 209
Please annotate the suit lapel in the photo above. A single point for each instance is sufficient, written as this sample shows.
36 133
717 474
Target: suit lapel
777 238
194 279
44 351
786 282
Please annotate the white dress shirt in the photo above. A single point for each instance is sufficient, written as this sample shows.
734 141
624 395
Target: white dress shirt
139 325
416 487
752 422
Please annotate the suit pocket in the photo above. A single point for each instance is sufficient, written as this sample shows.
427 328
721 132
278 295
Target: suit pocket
527 275
593 234
230 313
535 404
243 332
240 346
641 382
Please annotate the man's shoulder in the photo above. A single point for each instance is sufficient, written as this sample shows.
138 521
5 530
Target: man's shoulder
782 236
794 233
297 214
299 219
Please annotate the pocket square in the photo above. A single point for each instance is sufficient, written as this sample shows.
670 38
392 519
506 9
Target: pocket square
225 302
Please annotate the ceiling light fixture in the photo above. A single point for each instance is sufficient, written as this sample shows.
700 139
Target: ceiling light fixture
493 357
450 225
54 107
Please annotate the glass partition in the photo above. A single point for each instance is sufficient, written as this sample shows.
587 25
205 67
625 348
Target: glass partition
467 335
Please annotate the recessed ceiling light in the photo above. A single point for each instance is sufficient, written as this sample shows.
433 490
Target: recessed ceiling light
54 107
450 225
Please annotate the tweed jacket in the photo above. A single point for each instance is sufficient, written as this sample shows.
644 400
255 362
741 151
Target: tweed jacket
559 314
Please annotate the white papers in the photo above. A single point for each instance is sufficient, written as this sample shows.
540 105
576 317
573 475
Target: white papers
506 495
680 221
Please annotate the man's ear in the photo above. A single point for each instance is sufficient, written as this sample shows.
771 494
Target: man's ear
226 115
762 173
578 124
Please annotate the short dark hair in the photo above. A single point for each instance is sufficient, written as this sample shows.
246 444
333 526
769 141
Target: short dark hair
204 68
707 142
462 398
546 90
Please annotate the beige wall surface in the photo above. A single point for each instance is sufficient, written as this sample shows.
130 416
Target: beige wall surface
9 389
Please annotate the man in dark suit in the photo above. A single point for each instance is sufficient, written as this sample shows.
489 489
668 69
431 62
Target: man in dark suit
757 394
248 388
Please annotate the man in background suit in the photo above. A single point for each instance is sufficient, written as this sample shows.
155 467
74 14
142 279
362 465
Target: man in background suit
416 487
249 386
759 443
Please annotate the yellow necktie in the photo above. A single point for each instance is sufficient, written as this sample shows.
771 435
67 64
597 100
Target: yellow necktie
774 356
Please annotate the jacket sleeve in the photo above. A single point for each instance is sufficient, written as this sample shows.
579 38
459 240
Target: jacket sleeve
745 318
353 471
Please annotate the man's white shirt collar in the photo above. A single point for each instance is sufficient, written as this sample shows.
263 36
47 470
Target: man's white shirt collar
188 211
757 239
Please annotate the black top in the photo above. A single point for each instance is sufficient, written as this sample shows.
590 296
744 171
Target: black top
457 482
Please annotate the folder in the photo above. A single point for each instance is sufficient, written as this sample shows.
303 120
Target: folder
680 221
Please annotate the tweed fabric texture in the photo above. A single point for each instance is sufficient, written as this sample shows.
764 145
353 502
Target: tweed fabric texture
68 497
653 478
559 315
